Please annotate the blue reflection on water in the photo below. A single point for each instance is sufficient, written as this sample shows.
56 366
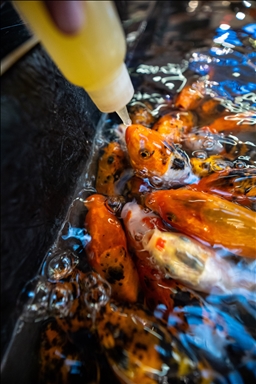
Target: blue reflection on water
77 233
250 29
232 70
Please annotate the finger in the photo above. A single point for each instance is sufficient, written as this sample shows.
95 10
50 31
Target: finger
67 15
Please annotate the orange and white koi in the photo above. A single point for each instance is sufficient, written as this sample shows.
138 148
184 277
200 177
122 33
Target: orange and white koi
156 158
107 251
194 264
207 217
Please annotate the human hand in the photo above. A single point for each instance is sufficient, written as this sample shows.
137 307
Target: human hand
68 15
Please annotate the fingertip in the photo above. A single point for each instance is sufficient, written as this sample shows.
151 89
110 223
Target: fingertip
68 16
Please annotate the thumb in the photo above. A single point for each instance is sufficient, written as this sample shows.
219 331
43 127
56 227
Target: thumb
68 16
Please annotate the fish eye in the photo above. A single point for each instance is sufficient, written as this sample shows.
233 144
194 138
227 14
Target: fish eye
170 216
145 153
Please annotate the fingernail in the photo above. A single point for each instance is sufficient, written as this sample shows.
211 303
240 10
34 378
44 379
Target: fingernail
67 15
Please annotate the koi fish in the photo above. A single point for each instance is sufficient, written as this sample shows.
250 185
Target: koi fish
208 109
207 217
111 165
141 113
107 251
155 158
237 185
239 122
60 360
217 144
175 125
189 98
140 349
192 263
203 167
157 289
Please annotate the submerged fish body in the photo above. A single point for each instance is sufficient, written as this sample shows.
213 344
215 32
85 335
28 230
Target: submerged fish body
239 122
111 167
107 251
207 217
237 185
192 263
142 351
156 158
175 125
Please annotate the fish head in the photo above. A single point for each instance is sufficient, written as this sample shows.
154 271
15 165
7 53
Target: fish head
138 221
154 157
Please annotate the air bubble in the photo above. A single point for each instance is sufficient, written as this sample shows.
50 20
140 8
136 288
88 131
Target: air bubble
60 265
239 164
115 204
209 144
97 292
200 155
61 298
34 299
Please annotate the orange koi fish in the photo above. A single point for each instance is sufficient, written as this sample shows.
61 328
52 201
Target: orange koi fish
209 109
140 349
110 167
239 122
189 98
60 360
141 113
107 250
237 185
192 263
207 217
156 158
175 125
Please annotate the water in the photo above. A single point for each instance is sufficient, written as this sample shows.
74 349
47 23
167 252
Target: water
211 333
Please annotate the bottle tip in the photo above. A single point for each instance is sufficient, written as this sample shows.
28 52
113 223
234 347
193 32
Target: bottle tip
124 116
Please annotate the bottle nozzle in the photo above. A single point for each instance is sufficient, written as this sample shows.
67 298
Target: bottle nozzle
124 116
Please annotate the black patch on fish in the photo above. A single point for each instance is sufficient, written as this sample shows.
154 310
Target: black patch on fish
178 164
141 346
115 274
191 262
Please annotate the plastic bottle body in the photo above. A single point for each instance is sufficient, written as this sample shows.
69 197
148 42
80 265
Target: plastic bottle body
93 58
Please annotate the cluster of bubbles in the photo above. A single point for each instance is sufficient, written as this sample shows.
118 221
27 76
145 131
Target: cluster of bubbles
49 294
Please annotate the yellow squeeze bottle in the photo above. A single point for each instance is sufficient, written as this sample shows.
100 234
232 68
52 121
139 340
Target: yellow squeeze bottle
93 58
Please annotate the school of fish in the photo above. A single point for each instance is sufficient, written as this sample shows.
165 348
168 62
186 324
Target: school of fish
172 219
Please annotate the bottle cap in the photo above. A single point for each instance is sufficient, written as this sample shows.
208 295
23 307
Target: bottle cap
115 95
